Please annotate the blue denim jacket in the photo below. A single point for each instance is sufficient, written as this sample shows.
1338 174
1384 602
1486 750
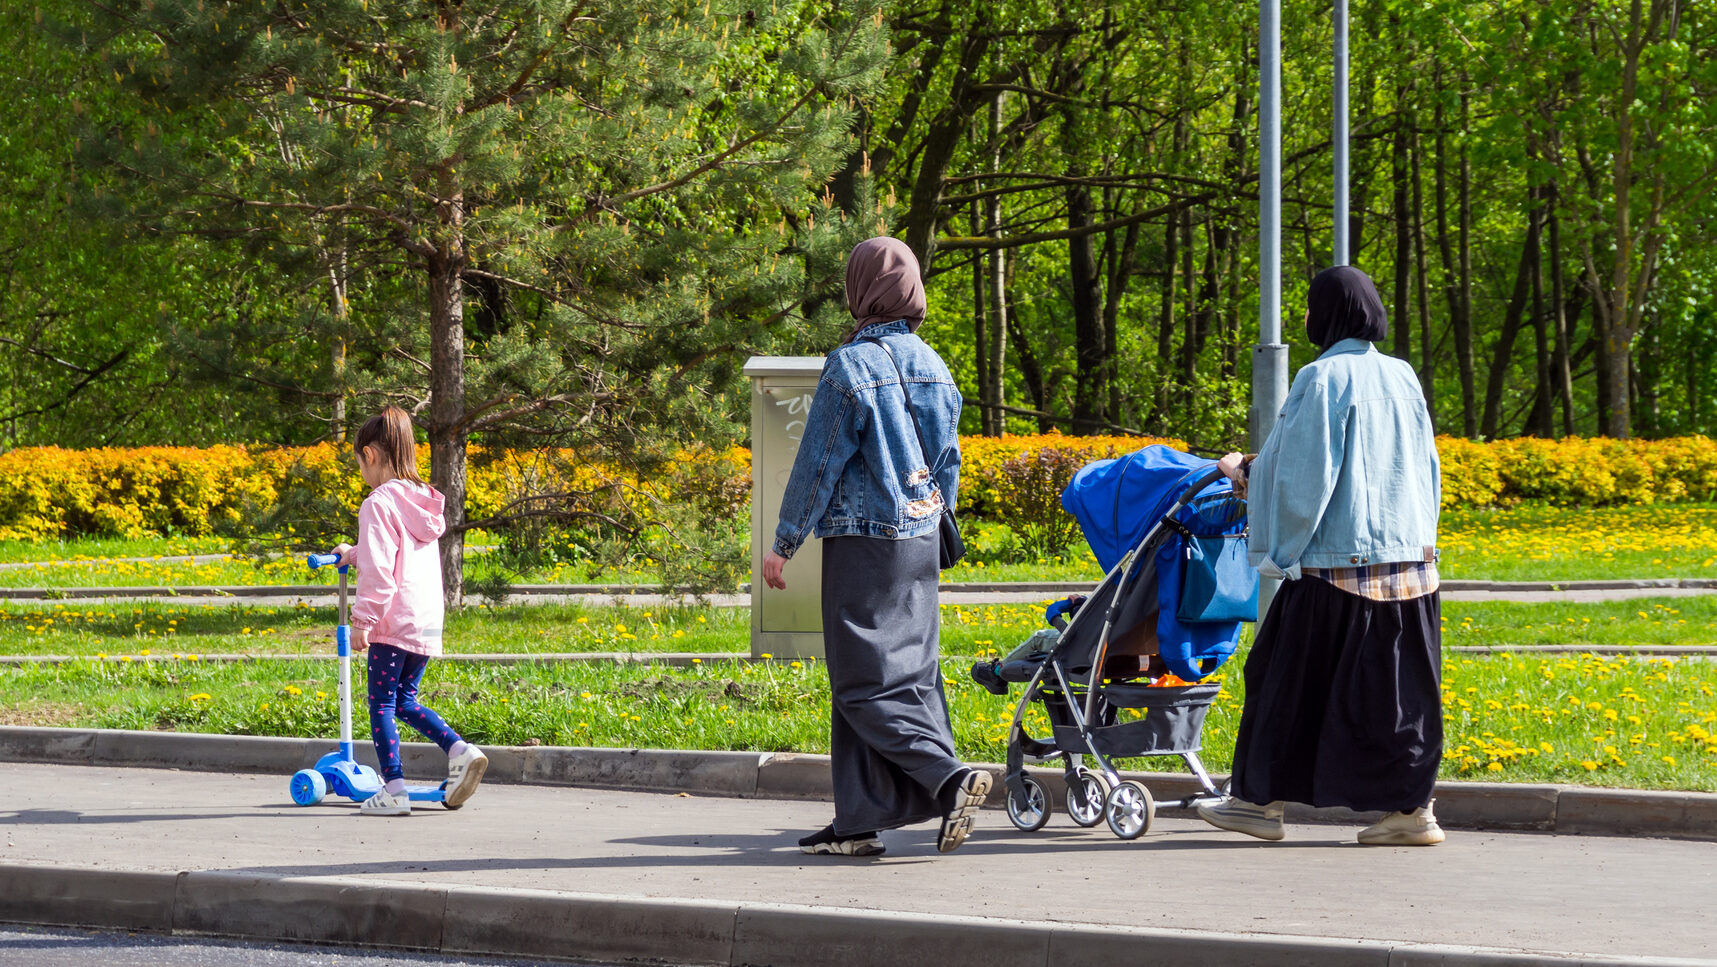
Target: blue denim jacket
1349 477
859 470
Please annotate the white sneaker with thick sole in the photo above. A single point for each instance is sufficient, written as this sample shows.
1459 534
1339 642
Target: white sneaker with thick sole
464 773
964 801
383 804
1234 815
1416 828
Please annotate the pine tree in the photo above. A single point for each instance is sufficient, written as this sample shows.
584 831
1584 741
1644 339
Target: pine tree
599 204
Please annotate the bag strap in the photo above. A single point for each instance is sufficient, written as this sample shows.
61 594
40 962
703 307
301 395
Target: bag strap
917 429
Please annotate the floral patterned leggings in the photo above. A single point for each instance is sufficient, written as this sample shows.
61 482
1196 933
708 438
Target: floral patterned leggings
394 675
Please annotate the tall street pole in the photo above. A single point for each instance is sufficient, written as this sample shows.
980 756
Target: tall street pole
1340 255
1270 356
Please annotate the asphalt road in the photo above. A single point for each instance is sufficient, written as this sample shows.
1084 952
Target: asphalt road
55 947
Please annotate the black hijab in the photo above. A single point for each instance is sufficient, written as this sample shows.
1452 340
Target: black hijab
1343 304
883 285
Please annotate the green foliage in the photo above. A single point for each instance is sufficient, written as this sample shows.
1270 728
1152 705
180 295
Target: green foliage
537 222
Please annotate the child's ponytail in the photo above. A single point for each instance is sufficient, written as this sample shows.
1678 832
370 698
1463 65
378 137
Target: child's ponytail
396 449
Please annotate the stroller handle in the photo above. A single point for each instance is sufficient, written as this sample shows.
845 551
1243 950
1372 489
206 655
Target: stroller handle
1199 479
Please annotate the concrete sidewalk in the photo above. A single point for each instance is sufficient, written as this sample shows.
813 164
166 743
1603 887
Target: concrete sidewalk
611 876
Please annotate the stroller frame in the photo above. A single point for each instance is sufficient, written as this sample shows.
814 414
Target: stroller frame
1093 796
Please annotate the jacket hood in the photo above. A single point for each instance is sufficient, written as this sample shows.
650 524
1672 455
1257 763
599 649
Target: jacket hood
421 508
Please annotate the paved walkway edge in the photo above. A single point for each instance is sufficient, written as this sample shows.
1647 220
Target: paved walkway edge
482 921
1582 810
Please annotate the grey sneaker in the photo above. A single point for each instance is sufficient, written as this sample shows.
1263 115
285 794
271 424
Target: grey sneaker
1264 822
1416 828
464 772
383 804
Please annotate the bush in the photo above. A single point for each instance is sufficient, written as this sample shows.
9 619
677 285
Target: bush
310 492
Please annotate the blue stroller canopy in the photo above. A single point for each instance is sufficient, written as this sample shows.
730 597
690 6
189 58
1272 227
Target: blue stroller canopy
1117 501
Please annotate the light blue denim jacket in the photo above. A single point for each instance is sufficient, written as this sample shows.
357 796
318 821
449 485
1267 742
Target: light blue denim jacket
1349 477
859 470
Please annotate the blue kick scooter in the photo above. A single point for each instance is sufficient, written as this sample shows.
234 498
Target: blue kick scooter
338 771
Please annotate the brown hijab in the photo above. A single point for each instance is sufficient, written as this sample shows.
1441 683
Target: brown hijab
883 285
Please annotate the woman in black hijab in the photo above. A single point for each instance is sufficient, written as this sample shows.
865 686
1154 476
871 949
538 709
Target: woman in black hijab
1343 682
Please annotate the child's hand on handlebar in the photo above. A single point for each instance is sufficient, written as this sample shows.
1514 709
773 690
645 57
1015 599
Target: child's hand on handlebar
344 552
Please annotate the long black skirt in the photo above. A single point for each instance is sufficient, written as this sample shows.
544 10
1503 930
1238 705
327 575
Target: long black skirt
1343 701
890 742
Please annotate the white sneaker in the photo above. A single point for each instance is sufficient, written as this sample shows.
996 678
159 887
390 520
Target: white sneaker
384 804
1417 828
1264 822
464 772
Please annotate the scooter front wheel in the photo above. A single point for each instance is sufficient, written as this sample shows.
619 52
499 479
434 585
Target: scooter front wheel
308 787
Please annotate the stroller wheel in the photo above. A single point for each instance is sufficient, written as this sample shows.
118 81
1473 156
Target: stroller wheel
1129 809
1085 801
1029 815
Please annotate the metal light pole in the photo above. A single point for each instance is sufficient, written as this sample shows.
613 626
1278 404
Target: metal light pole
1270 356
1339 255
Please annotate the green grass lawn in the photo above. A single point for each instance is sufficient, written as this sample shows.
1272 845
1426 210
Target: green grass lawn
1581 719
84 548
1539 543
77 628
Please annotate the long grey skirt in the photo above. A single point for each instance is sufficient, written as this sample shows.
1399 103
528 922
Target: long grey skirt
890 740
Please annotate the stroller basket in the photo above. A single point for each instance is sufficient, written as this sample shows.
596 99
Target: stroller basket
1172 725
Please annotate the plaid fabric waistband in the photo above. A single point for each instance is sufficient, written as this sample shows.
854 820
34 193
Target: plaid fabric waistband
1401 581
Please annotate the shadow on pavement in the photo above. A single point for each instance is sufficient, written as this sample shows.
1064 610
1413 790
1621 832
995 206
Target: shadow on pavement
70 817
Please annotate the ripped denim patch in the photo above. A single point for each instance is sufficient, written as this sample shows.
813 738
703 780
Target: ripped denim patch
920 509
919 477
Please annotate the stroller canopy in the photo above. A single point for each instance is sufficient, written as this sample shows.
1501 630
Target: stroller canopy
1116 501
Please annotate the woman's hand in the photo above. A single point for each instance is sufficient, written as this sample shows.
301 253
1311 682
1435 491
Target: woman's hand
1234 467
772 565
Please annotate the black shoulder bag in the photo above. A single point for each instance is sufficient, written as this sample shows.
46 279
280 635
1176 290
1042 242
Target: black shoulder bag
949 543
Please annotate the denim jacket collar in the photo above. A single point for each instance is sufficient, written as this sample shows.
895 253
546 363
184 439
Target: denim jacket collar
898 327
1347 346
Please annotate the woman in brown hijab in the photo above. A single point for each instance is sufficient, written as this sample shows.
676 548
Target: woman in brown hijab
878 465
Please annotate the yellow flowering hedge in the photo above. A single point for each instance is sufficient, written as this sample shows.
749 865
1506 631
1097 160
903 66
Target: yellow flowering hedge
1577 471
49 492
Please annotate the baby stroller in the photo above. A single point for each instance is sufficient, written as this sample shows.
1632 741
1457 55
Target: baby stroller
1118 671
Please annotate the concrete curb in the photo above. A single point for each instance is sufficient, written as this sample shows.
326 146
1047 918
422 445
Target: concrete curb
486 921
1580 810
952 587
676 658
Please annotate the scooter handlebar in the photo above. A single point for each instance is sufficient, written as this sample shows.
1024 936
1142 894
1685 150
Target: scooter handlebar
322 560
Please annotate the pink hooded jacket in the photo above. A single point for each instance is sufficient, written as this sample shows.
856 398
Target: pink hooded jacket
399 567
